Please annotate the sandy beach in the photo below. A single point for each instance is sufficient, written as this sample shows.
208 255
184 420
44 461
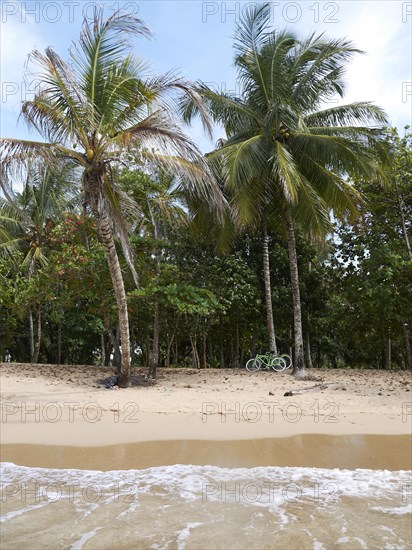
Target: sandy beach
223 456
67 405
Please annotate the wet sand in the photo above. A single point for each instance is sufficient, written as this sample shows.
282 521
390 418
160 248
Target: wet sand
310 450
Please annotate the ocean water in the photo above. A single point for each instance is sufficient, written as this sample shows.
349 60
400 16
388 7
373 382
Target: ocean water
205 507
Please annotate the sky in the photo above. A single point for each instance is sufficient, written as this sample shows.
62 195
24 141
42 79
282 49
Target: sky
195 39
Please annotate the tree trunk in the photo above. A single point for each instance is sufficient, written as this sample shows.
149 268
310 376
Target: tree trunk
176 351
59 343
237 347
309 363
221 346
232 354
155 352
268 294
31 332
168 350
388 354
299 362
147 355
35 336
204 352
404 229
102 350
170 344
106 235
407 342
196 360
308 355
210 351
242 358
115 341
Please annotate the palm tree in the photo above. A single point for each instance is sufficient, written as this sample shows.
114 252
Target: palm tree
288 153
26 223
97 112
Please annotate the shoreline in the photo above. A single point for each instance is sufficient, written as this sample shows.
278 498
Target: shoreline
375 452
115 428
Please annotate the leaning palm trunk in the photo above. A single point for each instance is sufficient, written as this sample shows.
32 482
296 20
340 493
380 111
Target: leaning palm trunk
268 294
106 235
299 359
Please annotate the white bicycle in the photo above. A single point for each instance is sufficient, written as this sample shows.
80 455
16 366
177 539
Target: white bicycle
268 361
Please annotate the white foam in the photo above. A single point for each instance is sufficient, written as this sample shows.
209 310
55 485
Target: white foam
397 510
189 481
184 535
15 513
78 545
333 493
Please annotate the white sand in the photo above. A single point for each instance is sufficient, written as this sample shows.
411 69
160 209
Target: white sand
64 405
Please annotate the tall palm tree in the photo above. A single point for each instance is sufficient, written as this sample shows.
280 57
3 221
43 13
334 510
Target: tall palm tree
26 223
94 112
288 153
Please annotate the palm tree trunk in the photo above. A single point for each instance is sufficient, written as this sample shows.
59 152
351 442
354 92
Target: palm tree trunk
106 235
35 336
31 333
268 294
309 363
299 362
155 353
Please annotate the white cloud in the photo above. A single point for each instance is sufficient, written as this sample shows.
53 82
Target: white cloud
378 76
18 39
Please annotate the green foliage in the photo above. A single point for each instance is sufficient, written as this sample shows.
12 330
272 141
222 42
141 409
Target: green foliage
283 152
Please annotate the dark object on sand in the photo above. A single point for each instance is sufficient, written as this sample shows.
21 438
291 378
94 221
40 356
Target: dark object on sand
111 382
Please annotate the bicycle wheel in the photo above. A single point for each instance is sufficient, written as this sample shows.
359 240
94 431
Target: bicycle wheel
253 365
287 360
278 364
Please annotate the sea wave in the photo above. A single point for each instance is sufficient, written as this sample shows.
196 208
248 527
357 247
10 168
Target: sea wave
191 506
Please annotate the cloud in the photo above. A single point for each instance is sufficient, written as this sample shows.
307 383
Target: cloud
378 76
18 39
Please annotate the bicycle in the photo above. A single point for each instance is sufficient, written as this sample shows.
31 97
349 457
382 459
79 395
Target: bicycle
268 361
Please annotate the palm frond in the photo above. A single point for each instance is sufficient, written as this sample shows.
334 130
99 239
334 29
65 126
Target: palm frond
250 37
359 113
252 29
59 102
194 179
116 202
103 44
318 68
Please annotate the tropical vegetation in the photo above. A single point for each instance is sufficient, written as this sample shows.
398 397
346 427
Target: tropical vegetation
121 243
